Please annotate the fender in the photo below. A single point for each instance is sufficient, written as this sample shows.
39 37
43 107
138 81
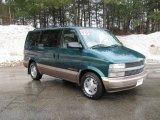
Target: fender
96 70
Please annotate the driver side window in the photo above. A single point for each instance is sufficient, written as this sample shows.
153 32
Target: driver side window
69 35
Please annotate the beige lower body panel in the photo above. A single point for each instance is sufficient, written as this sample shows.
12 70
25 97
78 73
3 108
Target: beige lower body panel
65 74
25 63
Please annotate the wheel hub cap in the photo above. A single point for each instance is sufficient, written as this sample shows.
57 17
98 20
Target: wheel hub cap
33 71
90 86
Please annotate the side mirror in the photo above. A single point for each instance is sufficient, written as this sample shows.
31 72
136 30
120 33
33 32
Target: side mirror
74 45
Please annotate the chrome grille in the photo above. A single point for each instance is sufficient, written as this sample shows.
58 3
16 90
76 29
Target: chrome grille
134 64
133 72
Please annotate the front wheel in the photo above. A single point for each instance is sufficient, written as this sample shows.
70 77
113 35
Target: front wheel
35 75
92 86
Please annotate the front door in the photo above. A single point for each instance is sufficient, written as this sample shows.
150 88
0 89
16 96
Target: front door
69 58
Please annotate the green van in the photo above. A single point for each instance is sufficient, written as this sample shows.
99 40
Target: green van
93 58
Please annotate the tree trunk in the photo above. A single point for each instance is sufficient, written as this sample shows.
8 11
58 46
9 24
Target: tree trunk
60 17
84 16
44 19
47 20
104 15
119 23
147 25
40 20
78 17
34 21
89 13
10 16
75 13
63 13
84 19
152 25
96 16
53 18
23 20
127 25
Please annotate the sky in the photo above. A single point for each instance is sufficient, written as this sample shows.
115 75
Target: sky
3 1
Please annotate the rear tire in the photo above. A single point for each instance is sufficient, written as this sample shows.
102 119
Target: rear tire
34 72
92 86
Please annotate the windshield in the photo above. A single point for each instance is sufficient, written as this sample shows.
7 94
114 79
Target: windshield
99 38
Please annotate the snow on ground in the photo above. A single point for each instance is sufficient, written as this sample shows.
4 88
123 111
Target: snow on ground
149 45
12 40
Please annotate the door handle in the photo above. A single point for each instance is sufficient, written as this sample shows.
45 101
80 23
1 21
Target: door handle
53 55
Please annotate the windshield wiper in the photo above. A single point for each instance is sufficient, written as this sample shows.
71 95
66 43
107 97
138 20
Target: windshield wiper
115 45
99 45
103 45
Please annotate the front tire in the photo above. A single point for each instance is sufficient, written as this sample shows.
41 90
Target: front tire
92 86
35 75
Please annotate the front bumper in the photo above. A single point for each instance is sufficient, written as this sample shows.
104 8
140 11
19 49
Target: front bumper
123 83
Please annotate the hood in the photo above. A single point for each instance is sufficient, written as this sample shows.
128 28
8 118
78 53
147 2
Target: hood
119 54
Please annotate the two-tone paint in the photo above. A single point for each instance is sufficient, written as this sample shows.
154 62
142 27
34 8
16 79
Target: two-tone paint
71 64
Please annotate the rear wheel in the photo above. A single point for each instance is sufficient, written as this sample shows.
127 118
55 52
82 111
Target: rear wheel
92 86
35 75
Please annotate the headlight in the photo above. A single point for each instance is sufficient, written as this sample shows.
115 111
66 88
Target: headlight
116 66
114 70
116 74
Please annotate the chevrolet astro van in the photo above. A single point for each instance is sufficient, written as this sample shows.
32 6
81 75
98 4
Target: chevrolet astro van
90 57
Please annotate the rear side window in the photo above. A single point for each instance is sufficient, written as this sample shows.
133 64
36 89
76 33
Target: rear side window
32 39
50 38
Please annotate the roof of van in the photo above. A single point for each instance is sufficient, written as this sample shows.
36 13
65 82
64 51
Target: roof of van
53 28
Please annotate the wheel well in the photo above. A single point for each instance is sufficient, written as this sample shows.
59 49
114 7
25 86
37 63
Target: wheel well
30 61
85 71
